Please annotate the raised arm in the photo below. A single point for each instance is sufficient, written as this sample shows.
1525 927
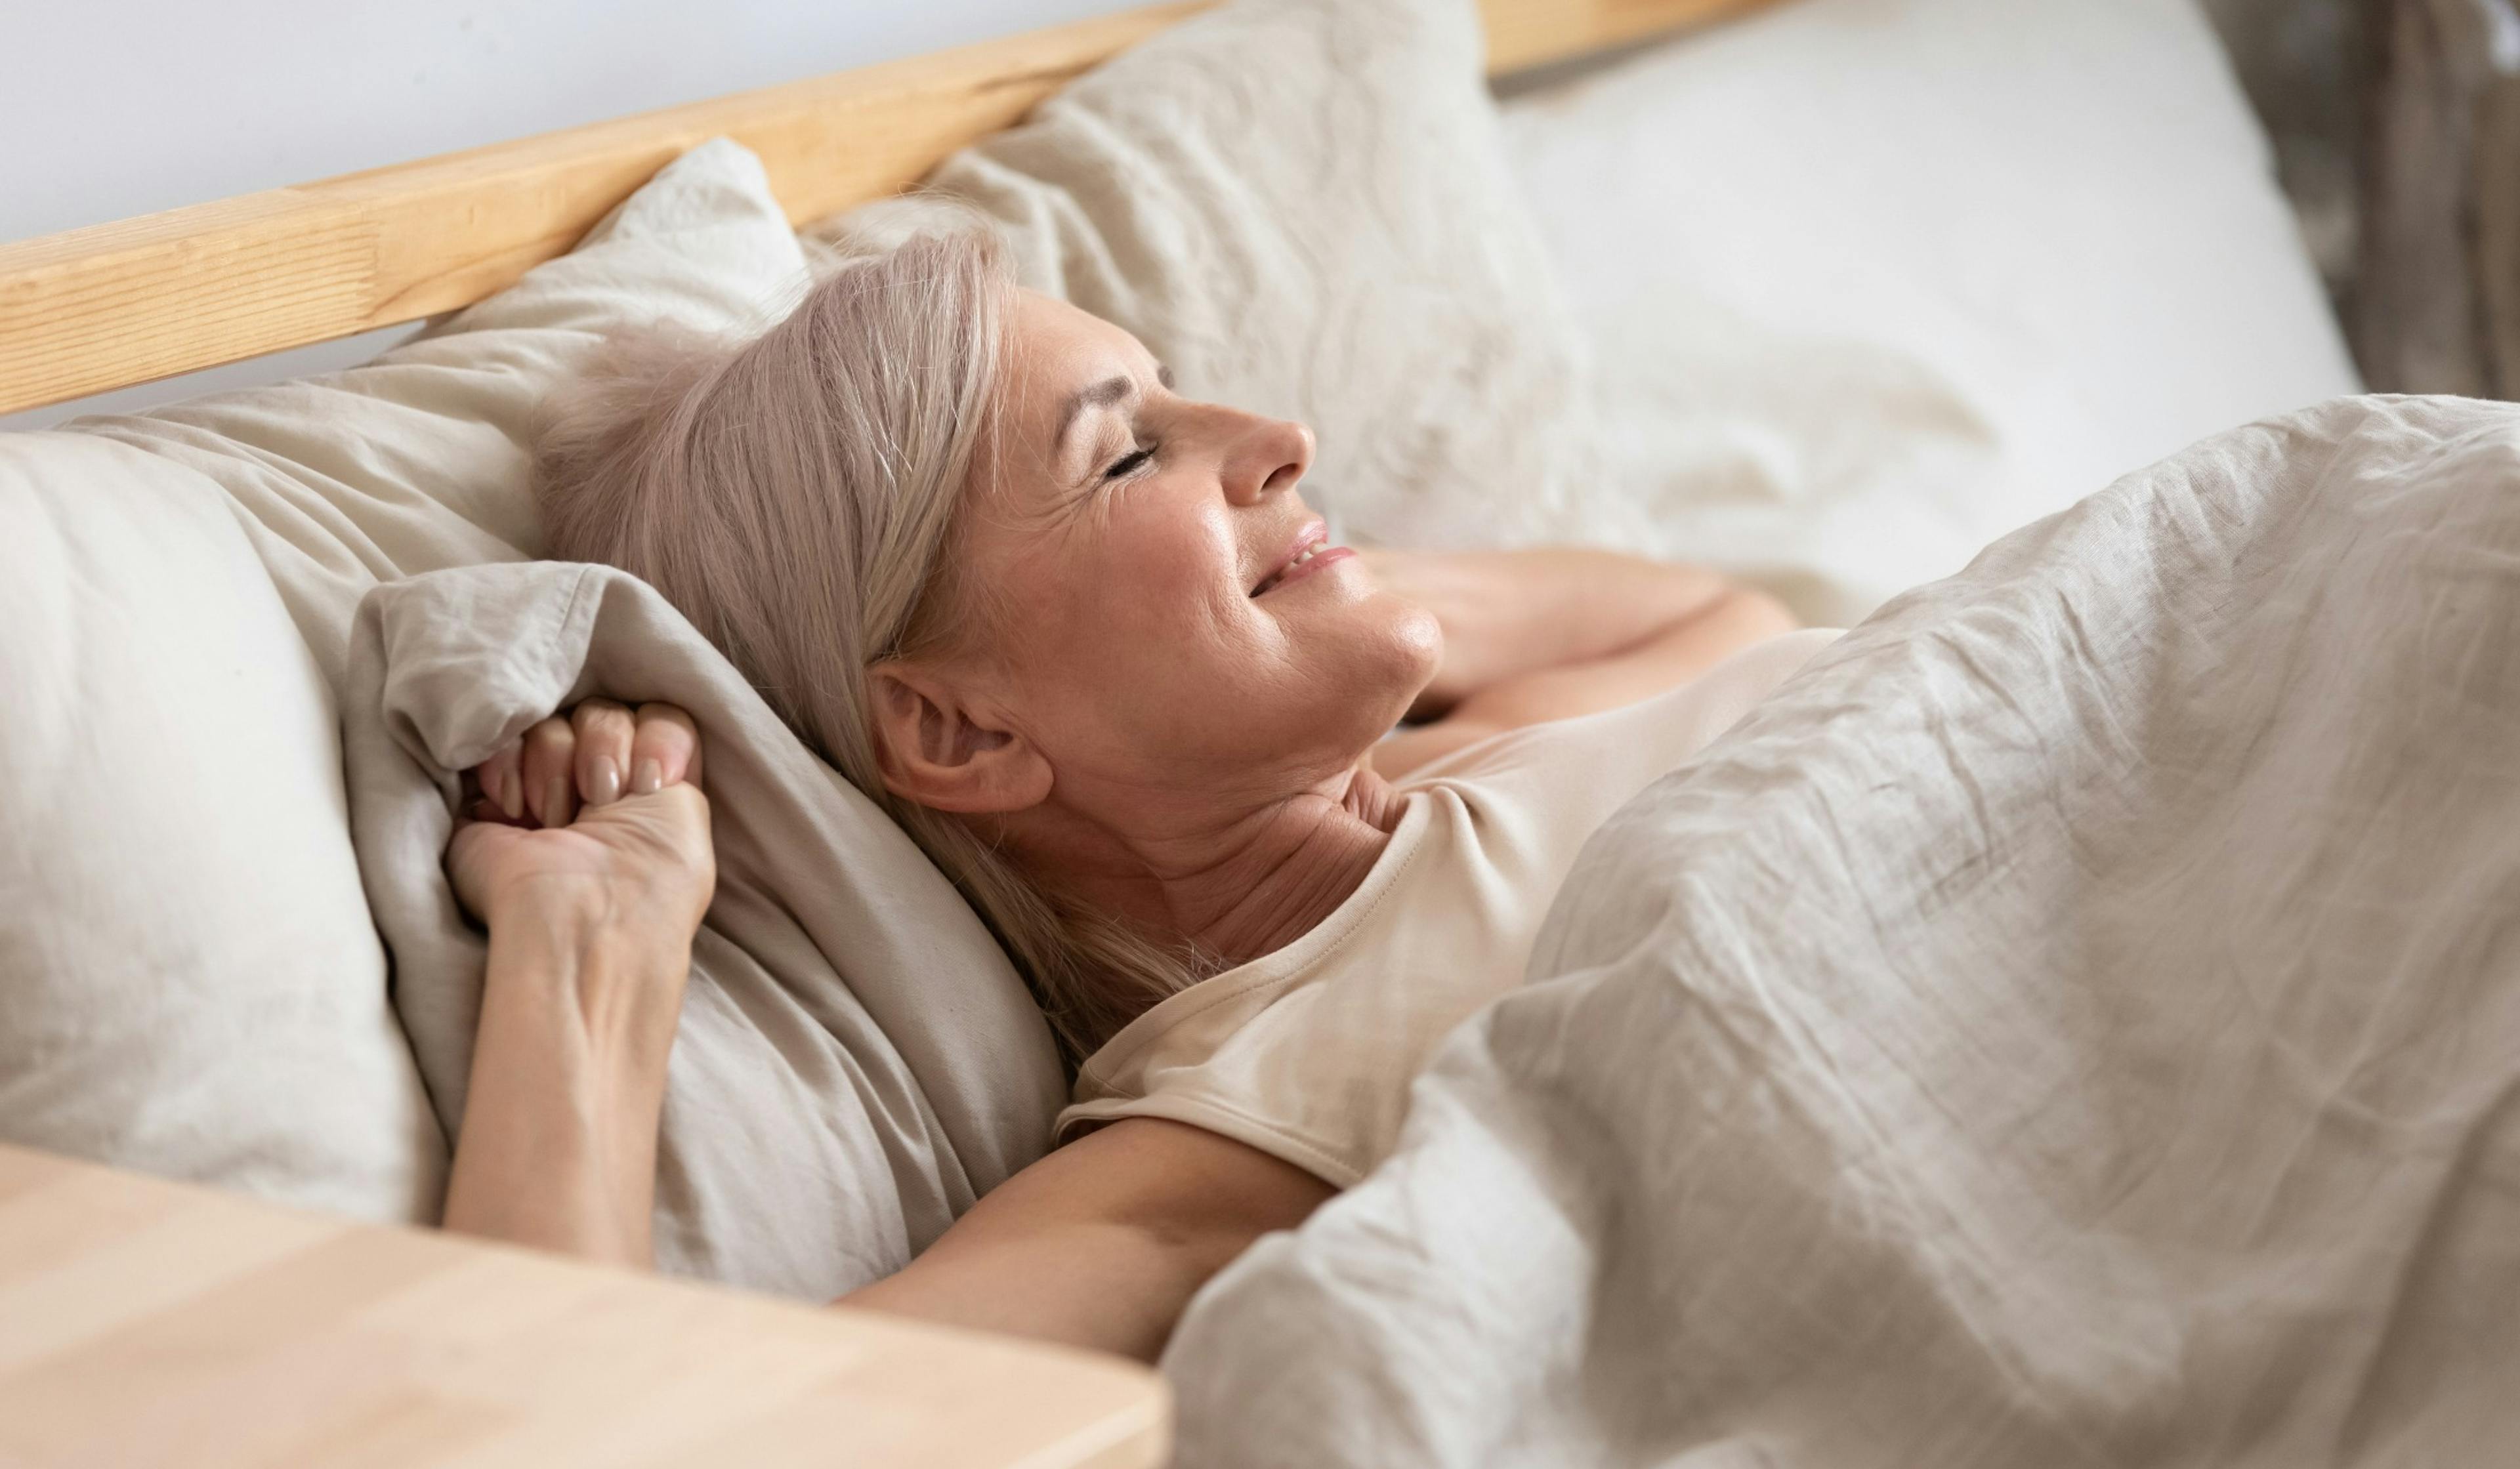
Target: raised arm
586 853
587 856
1532 636
1509 613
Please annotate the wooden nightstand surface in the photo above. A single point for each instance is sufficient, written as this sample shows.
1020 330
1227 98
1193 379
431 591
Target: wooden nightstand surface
144 1322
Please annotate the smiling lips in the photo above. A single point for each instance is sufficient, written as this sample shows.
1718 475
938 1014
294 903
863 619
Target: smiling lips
1310 551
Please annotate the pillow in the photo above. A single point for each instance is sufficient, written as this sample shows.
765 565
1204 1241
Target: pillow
192 981
189 982
1868 285
857 1060
1303 208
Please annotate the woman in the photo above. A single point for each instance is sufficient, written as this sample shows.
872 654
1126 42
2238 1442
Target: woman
1084 640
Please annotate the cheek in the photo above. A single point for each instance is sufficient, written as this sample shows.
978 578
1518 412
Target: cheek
1127 612
1163 572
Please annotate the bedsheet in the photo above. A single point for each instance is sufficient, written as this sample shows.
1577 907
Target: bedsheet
2075 1021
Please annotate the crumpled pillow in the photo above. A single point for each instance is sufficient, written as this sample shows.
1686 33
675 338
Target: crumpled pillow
1303 207
857 1061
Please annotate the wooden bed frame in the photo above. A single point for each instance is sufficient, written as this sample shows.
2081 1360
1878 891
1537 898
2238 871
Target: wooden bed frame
116 304
142 1320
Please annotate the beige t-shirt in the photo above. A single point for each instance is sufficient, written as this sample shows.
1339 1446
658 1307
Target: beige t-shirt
1307 1053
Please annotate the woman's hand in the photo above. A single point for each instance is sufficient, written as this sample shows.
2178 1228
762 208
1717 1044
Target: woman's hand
596 818
585 849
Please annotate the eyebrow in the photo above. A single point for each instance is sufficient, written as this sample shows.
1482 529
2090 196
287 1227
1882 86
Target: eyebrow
1103 394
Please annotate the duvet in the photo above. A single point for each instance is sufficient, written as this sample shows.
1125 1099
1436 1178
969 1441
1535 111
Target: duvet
2075 1021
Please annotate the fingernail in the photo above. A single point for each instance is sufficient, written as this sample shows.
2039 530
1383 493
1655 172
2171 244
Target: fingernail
512 795
604 781
649 779
556 801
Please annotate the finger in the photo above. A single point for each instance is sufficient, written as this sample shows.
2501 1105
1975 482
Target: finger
550 773
666 752
502 779
468 859
602 728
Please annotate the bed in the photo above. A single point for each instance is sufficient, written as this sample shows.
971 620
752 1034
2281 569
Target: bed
1758 297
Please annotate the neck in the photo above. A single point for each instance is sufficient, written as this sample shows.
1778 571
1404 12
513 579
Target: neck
1233 885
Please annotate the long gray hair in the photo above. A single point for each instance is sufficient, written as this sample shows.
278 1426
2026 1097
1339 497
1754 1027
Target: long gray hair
797 496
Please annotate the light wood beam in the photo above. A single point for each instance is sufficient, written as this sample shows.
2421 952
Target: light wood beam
1527 33
144 298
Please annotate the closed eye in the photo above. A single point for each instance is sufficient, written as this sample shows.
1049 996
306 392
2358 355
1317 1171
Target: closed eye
1129 463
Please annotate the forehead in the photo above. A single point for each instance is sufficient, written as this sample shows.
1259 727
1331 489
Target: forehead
1053 349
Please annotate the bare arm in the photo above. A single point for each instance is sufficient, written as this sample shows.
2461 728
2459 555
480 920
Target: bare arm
1557 633
587 855
592 894
1102 1243
558 1145
1509 613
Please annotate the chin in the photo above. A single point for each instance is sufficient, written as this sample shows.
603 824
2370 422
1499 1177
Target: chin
1362 676
1407 647
1423 640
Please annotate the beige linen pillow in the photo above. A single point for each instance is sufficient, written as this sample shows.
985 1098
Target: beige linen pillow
1303 207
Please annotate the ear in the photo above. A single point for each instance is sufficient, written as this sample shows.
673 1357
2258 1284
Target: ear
938 749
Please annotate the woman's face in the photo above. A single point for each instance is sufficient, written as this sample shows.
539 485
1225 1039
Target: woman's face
1152 605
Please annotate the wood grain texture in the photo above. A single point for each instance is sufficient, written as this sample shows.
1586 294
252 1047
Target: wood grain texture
148 1322
115 304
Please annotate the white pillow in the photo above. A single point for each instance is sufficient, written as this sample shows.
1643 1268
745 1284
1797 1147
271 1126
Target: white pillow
1871 281
1302 207
189 982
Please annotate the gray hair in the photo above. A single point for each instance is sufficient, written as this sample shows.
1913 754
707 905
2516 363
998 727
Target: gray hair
798 497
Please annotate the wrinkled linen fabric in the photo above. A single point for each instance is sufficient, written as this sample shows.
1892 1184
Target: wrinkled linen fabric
857 1061
2074 1021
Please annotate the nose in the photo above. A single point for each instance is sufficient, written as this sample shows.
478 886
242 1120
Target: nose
1268 456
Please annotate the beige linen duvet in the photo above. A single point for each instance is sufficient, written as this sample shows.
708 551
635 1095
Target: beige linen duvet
2075 1021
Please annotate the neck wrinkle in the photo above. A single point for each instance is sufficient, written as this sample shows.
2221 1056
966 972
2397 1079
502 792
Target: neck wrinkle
1258 883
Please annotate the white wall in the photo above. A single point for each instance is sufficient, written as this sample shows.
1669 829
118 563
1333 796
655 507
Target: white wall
125 107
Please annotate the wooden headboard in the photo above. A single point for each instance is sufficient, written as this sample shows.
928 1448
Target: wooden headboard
115 304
